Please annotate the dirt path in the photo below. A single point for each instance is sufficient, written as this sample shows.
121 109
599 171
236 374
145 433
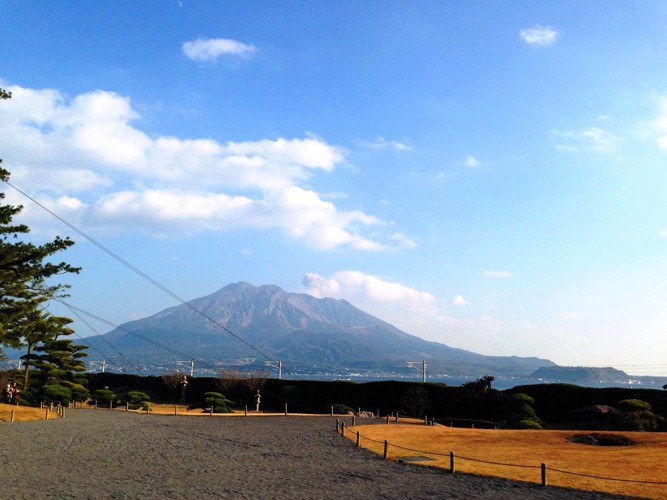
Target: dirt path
110 454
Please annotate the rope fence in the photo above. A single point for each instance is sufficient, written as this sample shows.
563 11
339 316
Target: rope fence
341 427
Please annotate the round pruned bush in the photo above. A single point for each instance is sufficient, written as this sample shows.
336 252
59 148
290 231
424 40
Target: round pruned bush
629 405
638 416
217 401
339 409
523 398
103 396
55 393
79 392
527 423
134 397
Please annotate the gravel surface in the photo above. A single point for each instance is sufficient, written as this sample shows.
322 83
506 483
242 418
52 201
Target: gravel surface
114 454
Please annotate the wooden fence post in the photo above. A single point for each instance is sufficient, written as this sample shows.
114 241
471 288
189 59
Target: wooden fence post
332 410
387 419
11 419
246 410
337 424
175 410
285 409
354 420
544 474
46 416
386 449
211 411
127 406
452 467
342 428
357 439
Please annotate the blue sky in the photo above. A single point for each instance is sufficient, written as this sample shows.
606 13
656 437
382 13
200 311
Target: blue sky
490 175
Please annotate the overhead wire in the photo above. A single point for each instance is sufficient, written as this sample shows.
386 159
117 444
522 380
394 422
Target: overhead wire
153 342
141 273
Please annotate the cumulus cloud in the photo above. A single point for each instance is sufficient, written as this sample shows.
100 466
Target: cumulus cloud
591 139
212 48
539 36
471 162
382 143
398 304
402 240
425 315
459 300
356 283
90 149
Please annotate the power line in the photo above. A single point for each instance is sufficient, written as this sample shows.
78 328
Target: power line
76 310
140 272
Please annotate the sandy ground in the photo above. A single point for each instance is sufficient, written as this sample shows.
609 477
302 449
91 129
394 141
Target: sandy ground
112 454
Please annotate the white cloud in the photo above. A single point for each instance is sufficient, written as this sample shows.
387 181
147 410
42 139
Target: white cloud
356 283
471 162
459 300
88 148
382 143
213 48
402 240
385 299
591 138
498 274
539 36
423 314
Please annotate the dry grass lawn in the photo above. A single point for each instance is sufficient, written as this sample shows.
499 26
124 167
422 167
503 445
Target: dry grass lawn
23 413
644 461
525 450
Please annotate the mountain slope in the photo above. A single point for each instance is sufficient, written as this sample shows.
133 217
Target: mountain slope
266 322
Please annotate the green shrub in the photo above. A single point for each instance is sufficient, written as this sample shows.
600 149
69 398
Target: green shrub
79 392
638 416
55 393
527 423
103 396
629 405
519 413
339 409
218 401
523 398
137 397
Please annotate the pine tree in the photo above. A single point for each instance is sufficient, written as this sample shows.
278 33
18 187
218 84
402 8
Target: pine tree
58 362
26 272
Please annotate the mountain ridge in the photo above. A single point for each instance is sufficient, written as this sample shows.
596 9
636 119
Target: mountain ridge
268 322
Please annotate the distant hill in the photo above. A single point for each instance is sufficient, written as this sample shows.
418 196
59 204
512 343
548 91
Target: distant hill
298 329
580 374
